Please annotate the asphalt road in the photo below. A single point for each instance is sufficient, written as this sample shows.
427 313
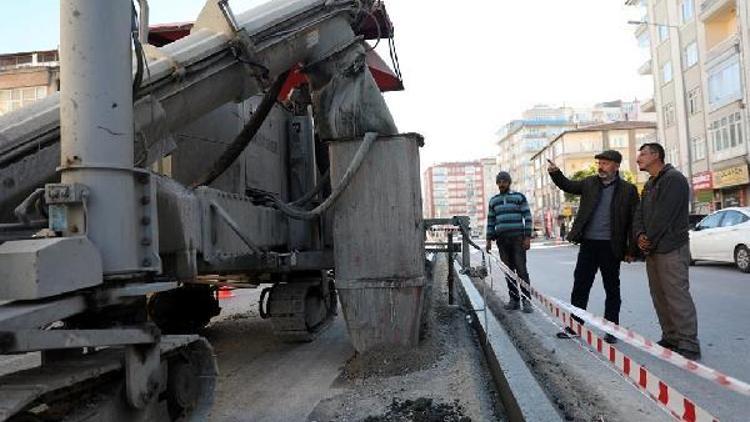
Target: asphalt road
721 294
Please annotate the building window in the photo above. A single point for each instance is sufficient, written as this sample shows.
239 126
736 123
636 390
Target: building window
13 99
726 133
724 83
644 41
669 115
699 148
672 156
666 73
694 101
691 55
663 33
618 141
47 57
687 9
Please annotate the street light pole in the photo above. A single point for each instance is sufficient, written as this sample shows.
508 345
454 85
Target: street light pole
685 99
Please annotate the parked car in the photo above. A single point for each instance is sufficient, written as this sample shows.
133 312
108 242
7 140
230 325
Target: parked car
694 219
723 236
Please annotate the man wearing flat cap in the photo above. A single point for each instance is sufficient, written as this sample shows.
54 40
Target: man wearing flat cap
509 224
602 227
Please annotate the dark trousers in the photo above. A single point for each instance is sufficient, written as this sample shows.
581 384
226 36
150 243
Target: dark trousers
513 254
593 256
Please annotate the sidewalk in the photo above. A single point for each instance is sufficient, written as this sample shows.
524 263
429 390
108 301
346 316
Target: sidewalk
544 243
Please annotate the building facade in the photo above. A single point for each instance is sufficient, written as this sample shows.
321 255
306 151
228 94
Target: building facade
27 77
489 170
699 60
519 140
573 151
461 188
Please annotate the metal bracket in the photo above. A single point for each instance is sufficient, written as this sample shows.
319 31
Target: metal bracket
62 193
60 196
148 218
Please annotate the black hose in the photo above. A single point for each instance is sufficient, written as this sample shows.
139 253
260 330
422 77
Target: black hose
309 195
242 140
33 224
271 199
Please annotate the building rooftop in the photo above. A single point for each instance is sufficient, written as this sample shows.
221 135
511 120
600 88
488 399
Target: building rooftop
625 125
630 124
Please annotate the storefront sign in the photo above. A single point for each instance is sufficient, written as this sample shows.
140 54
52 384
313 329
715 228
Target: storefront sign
703 181
704 196
731 176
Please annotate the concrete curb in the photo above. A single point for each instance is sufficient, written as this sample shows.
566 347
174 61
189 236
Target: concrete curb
522 396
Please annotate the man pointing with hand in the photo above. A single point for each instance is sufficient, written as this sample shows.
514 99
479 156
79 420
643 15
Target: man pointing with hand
603 229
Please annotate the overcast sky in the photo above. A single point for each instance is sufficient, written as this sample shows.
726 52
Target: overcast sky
468 66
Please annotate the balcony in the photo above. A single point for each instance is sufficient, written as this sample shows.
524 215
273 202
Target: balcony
645 68
641 28
717 51
649 106
709 8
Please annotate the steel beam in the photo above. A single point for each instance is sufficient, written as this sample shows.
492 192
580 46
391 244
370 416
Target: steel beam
20 341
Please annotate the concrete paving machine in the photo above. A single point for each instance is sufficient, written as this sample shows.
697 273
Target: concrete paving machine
158 172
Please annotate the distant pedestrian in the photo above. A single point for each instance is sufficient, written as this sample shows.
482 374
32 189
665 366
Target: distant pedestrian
509 224
563 230
661 227
603 227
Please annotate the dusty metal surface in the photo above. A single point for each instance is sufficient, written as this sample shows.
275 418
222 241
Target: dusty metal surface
379 242
20 389
30 269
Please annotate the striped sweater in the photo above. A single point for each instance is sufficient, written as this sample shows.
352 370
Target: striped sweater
509 215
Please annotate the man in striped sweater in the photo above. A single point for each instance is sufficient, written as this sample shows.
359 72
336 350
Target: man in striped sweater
509 224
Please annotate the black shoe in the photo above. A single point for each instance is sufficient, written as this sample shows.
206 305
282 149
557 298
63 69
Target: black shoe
528 308
512 305
567 333
609 338
689 354
666 344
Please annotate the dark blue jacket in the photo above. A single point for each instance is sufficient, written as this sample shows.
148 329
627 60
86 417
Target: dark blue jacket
508 216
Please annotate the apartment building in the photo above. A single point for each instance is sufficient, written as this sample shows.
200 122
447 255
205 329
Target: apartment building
521 139
489 170
27 77
698 57
573 151
459 188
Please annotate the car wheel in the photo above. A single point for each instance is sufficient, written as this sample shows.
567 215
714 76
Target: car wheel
742 258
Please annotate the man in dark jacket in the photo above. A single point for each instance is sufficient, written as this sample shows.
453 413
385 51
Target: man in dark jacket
603 228
509 223
661 227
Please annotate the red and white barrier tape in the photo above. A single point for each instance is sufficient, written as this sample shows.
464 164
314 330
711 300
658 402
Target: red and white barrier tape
677 404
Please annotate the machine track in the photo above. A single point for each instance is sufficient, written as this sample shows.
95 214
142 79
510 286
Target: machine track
302 309
91 386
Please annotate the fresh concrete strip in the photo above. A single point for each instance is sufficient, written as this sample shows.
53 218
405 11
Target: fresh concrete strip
522 396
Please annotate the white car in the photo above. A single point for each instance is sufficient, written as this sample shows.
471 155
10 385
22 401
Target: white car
723 236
